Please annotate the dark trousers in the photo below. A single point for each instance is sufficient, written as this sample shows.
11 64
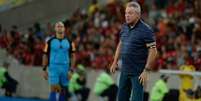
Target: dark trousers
110 93
128 84
84 93
10 85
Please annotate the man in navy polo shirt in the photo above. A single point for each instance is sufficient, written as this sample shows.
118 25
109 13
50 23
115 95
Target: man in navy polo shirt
137 50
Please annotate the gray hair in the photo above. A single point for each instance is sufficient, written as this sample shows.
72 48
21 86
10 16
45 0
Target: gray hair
135 5
59 22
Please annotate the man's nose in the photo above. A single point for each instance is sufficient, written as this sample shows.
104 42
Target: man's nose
127 15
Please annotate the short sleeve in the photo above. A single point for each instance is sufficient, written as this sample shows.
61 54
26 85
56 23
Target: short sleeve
46 49
123 28
149 37
120 32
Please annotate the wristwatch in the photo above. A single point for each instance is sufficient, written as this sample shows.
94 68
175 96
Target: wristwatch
146 69
44 68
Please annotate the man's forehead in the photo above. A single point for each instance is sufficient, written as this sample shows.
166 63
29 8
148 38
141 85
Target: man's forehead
59 24
129 8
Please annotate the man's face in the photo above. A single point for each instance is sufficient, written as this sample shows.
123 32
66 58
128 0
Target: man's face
130 15
59 28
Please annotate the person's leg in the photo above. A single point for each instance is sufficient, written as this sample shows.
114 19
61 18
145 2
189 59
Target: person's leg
84 92
7 89
124 87
10 85
8 93
182 95
64 95
137 89
54 94
53 78
111 93
146 96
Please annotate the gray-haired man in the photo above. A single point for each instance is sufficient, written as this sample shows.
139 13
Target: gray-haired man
137 50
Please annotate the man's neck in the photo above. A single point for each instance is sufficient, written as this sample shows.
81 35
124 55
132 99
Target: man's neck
132 25
59 36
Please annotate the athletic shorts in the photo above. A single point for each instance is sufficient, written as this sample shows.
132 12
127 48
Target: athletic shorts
58 74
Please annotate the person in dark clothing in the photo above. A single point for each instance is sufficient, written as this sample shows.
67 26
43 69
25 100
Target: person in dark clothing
77 85
105 86
137 51
10 84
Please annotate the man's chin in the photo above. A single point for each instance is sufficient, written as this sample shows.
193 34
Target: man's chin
128 22
60 32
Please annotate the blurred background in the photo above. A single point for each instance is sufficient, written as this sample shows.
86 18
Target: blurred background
94 26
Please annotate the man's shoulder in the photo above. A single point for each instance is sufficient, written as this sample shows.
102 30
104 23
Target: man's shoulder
143 26
124 26
49 39
67 38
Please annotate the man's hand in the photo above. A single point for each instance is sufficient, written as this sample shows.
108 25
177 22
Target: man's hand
113 67
143 77
45 75
70 74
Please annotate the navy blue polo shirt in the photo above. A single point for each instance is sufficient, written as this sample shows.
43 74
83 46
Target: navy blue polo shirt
134 51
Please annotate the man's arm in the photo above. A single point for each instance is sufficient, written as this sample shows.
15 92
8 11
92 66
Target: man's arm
45 61
116 57
73 54
45 57
152 54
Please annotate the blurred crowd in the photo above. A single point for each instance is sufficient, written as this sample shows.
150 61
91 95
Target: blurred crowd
96 33
25 47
